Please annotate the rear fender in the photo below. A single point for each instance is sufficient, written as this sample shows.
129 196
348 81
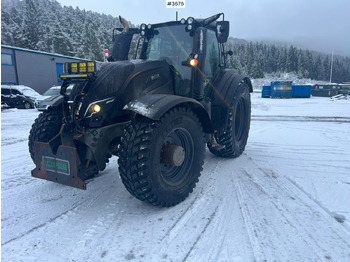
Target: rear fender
224 87
222 94
156 105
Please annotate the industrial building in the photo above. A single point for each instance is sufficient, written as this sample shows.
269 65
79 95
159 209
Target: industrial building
38 70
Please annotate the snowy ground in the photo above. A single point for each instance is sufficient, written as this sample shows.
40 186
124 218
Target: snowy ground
285 199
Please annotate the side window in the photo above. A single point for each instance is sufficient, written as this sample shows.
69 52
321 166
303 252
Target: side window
6 59
5 91
212 56
15 92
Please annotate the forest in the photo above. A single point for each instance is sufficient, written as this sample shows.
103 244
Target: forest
45 25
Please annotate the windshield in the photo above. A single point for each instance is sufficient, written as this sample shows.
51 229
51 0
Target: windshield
52 91
172 43
29 92
55 90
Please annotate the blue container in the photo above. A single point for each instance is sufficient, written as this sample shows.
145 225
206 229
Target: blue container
266 92
281 89
301 91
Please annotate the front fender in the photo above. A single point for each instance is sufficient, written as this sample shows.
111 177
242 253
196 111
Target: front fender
156 105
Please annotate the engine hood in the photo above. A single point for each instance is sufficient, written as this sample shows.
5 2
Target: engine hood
110 78
114 78
120 82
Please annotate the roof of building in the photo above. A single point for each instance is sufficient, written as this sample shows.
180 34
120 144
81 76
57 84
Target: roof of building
41 52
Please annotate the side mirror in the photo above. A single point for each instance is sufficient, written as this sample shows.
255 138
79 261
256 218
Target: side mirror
222 31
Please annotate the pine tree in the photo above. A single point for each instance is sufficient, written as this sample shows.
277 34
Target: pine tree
309 65
31 25
292 60
301 64
327 68
282 59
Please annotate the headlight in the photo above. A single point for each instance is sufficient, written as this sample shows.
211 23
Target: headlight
100 106
190 20
95 108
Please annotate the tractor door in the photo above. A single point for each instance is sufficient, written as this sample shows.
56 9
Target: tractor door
173 44
207 49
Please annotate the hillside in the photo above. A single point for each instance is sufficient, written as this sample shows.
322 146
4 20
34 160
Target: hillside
47 26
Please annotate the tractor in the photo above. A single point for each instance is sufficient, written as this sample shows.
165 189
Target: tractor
164 95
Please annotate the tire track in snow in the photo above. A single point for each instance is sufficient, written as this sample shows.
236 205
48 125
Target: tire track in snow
332 119
81 228
210 219
193 216
196 203
214 213
279 214
225 238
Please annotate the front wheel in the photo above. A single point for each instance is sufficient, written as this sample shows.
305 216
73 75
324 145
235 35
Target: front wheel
160 161
45 127
27 105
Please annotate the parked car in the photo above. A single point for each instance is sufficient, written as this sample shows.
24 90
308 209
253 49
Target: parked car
50 95
18 96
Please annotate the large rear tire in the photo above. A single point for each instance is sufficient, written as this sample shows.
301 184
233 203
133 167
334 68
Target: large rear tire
160 161
234 136
45 127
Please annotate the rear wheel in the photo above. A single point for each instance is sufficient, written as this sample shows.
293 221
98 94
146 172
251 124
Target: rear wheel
27 105
160 161
45 127
233 137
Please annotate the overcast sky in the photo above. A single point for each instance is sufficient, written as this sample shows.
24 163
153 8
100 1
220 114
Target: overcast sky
322 25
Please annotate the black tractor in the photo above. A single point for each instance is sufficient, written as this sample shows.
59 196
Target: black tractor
156 111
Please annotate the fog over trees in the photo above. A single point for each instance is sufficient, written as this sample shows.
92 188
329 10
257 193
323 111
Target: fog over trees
45 25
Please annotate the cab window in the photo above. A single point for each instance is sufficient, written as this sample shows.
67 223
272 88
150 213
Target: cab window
212 55
173 44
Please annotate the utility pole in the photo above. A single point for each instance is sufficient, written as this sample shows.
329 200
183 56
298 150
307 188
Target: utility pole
330 78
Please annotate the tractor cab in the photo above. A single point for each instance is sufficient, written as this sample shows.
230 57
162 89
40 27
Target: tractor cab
194 48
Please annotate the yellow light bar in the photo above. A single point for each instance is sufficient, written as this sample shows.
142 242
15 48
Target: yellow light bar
91 66
82 67
79 67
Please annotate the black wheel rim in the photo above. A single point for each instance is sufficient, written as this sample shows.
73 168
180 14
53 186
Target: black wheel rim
175 175
239 119
26 105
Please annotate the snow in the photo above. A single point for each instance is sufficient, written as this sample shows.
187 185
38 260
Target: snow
285 199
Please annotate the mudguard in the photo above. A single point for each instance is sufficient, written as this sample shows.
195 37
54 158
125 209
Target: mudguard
224 87
156 105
